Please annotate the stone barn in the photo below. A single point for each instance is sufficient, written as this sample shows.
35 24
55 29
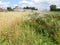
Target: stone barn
1 10
18 9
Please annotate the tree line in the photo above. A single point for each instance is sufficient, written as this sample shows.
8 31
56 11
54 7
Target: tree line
54 8
32 8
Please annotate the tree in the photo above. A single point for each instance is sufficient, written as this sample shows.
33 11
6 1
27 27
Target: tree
52 7
9 9
32 8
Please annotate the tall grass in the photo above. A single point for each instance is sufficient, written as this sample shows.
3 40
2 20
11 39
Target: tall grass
47 26
34 30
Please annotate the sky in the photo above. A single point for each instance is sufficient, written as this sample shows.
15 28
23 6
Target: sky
39 4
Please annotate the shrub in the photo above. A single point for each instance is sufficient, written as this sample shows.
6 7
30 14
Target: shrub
46 26
9 9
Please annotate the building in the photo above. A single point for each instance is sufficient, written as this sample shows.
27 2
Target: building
28 10
18 9
1 10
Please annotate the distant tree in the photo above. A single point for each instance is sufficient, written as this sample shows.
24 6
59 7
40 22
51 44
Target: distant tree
9 9
32 8
52 7
26 7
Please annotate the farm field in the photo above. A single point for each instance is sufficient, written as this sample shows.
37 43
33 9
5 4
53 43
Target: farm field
28 28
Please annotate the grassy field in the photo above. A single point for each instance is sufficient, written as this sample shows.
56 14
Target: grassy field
28 28
9 22
11 18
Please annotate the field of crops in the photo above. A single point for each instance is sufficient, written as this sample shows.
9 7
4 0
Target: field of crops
26 28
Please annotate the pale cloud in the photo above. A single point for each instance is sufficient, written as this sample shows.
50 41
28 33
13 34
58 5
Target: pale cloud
15 5
4 4
25 3
36 1
57 2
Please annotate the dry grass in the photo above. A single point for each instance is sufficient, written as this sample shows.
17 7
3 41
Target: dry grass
8 20
10 32
30 32
11 18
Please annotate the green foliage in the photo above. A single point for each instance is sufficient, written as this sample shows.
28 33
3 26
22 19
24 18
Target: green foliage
9 9
32 8
52 7
46 25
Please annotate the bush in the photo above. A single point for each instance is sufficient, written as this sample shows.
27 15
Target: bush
9 9
47 26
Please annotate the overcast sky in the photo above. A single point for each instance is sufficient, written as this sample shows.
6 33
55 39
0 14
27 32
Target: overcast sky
40 4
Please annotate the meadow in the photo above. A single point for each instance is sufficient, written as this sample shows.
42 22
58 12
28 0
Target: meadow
29 28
